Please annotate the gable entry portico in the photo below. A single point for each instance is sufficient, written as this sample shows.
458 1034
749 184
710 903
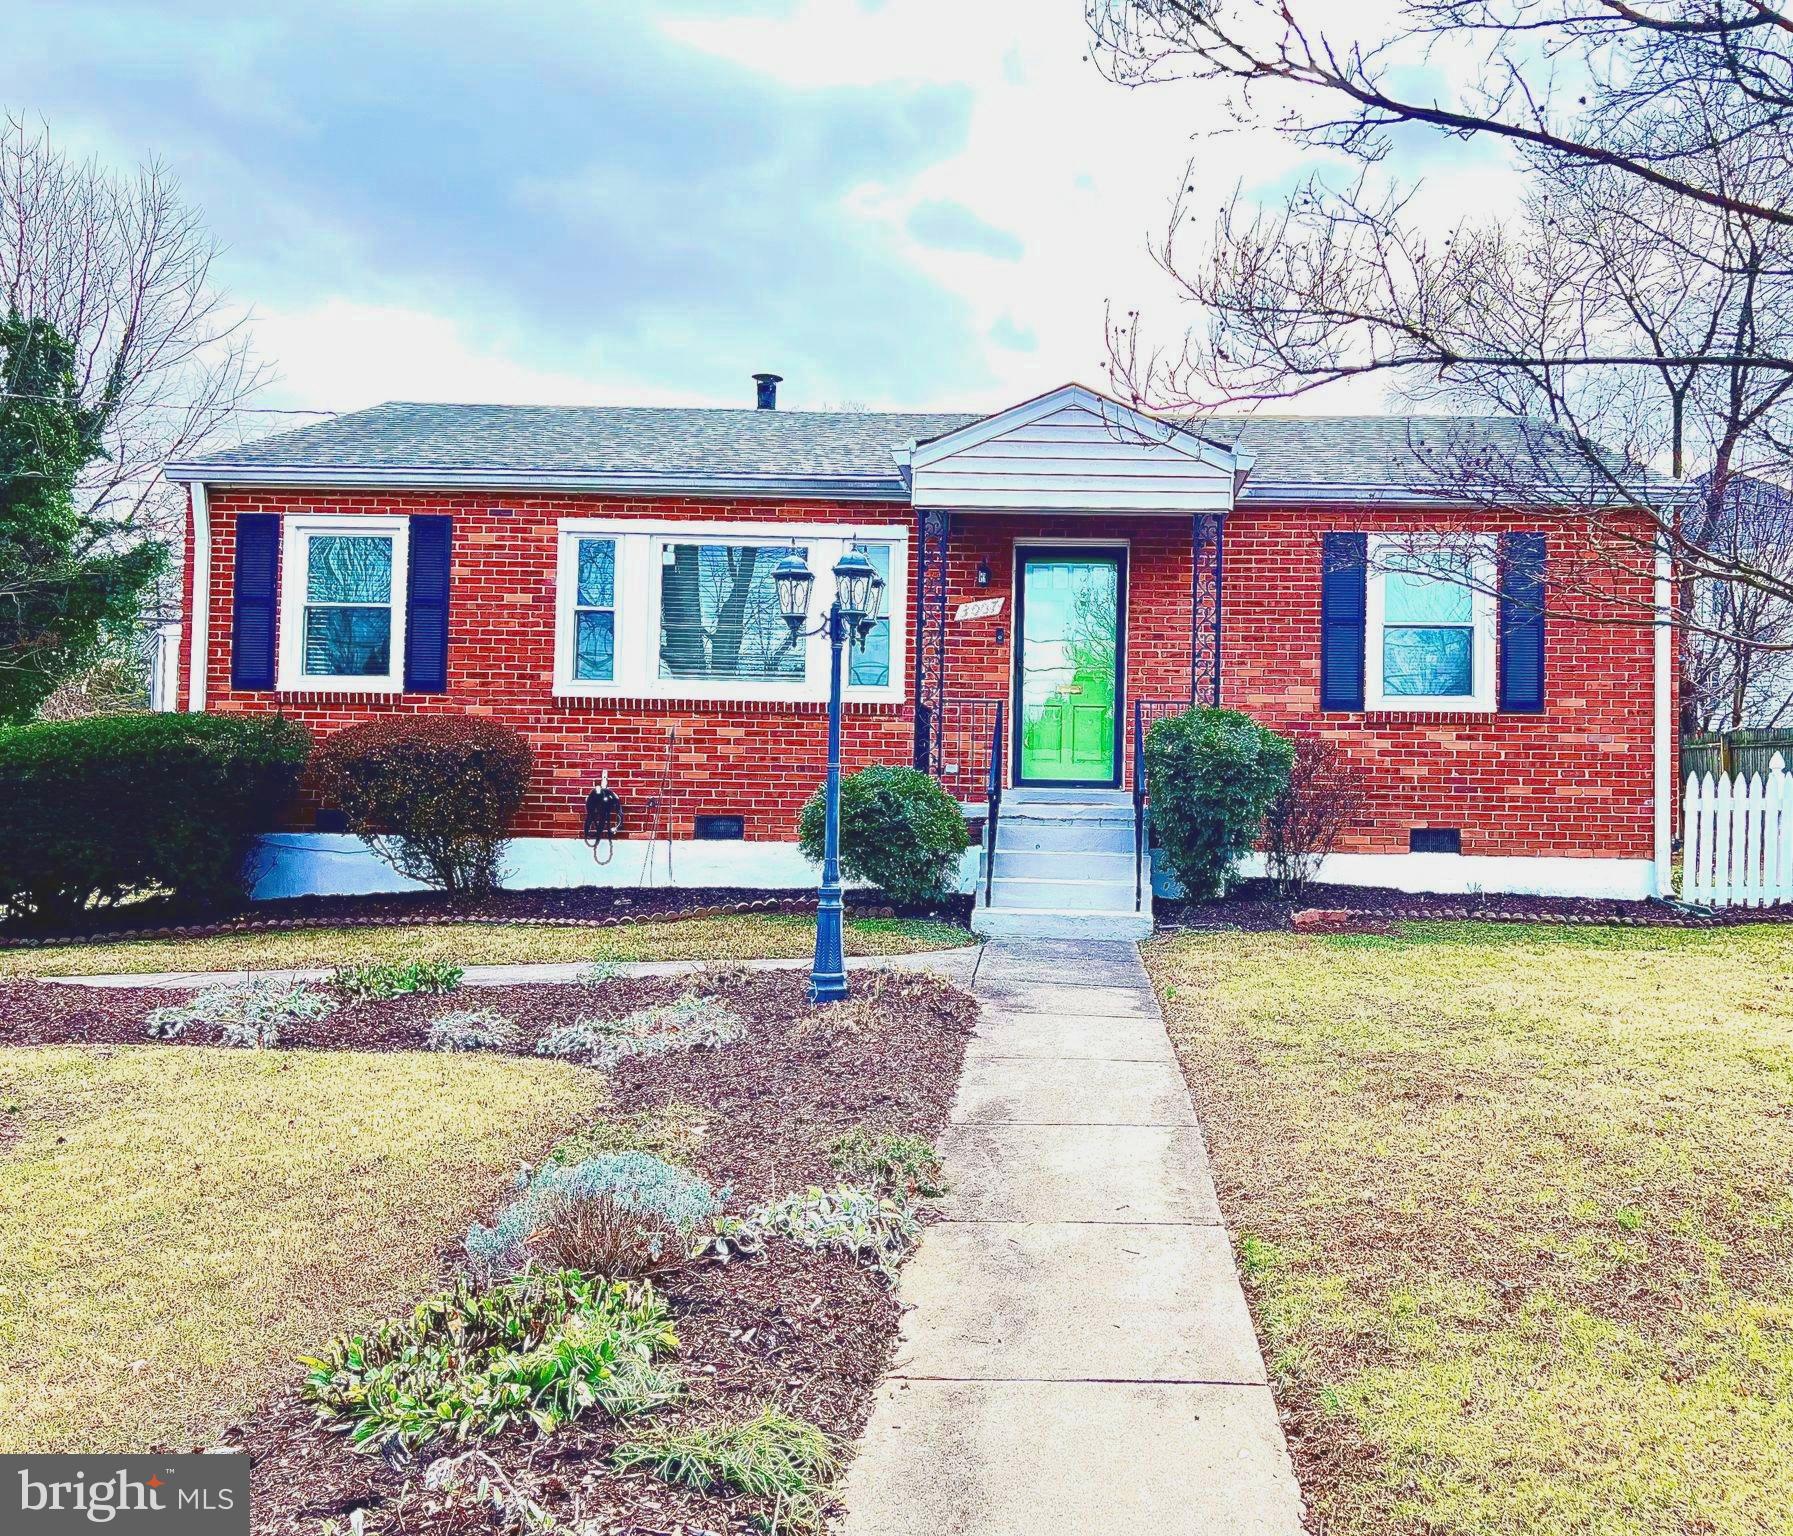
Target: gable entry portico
1039 485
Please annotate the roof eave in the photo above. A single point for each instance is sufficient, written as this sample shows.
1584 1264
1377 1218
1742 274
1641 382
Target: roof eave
1341 494
348 476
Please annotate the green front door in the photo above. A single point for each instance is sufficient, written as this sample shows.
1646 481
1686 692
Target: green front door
1067 666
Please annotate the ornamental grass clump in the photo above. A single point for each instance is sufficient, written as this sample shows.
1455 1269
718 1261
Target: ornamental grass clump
244 1013
471 1029
540 1349
770 1456
623 1215
684 1025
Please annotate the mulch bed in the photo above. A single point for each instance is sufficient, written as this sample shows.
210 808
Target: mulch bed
1254 907
577 907
810 1332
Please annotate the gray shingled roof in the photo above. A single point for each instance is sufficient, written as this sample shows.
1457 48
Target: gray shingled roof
852 448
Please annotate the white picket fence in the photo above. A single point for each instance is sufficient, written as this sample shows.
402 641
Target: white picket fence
1737 839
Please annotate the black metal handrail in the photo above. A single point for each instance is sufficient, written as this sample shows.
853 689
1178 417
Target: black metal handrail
1139 805
993 808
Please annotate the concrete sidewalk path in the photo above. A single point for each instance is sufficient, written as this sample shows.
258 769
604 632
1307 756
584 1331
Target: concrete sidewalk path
954 964
1076 1355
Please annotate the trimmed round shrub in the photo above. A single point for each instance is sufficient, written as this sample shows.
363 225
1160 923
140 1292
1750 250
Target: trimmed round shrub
1212 774
96 810
432 795
899 831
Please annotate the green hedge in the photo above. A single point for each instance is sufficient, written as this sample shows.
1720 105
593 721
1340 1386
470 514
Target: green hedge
96 810
899 831
1212 774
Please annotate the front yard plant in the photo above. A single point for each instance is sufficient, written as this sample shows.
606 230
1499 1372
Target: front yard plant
1212 775
908 1166
770 1455
535 1351
624 1215
899 831
432 795
472 1029
242 1013
686 1024
876 1228
110 807
386 978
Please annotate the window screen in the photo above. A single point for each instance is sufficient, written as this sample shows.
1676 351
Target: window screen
348 605
1428 634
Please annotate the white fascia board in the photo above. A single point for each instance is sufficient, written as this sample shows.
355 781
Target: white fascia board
1153 429
1344 494
349 476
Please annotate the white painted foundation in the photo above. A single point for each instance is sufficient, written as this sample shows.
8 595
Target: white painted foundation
339 864
1456 874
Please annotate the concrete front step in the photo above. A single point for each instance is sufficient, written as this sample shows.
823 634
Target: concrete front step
1058 923
1062 863
1070 894
1017 835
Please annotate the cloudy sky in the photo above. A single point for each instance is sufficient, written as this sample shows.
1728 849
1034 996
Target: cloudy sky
894 203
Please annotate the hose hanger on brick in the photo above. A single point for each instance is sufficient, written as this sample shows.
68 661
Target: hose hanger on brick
603 819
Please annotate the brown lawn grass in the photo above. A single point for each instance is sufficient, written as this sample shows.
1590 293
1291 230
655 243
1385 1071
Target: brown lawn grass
1515 1211
179 1223
768 936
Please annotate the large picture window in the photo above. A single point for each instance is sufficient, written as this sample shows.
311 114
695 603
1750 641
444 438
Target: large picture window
719 616
690 610
342 604
1431 625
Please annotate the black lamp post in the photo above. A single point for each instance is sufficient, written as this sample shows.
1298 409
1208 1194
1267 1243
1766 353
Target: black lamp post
858 594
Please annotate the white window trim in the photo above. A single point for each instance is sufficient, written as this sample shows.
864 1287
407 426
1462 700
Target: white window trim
297 531
637 625
1386 552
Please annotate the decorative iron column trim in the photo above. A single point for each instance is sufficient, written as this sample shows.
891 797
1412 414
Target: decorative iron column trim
933 537
1206 577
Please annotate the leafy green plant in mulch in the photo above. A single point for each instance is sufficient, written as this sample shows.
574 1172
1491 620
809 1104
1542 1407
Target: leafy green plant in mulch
244 1013
540 1349
771 1456
906 1165
377 979
673 1130
875 1228
620 1214
472 1029
684 1025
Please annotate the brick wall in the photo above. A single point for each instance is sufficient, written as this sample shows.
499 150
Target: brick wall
757 760
1574 780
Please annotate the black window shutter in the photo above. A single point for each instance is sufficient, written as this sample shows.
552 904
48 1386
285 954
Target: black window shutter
1344 577
426 606
1522 624
254 599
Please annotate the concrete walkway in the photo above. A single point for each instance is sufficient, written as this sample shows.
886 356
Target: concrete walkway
956 965
1077 1356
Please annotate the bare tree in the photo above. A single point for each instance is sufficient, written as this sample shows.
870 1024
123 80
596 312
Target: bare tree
122 267
1635 311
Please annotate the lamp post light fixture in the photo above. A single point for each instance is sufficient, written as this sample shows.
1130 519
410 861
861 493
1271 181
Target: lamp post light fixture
858 597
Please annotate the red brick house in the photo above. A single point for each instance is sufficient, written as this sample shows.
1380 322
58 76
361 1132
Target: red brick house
601 579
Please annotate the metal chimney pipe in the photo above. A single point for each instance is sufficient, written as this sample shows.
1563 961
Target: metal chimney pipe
767 398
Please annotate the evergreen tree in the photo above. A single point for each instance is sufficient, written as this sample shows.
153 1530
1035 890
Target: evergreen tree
62 580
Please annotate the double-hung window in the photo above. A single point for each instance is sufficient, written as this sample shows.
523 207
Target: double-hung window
1431 624
689 610
342 619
